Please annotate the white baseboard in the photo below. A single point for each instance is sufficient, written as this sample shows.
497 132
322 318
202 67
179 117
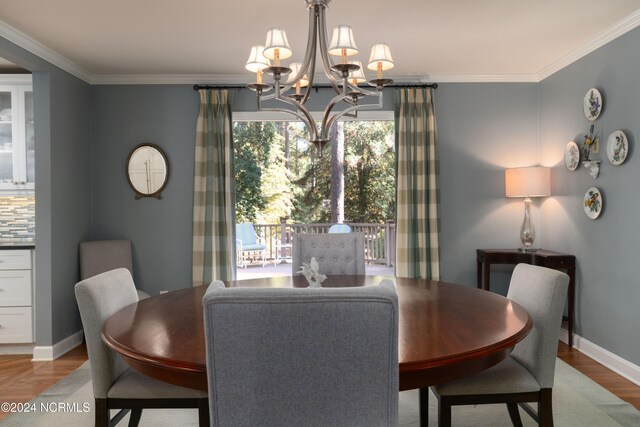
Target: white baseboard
612 361
52 352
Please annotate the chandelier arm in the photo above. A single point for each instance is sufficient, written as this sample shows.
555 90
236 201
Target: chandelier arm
312 67
326 124
324 53
306 116
311 48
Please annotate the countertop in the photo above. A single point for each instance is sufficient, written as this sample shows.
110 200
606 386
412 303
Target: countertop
17 244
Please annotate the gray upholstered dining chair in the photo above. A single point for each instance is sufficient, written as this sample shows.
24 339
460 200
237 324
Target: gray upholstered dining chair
302 357
115 385
527 374
99 256
337 254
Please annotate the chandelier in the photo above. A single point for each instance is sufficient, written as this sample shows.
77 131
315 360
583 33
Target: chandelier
344 76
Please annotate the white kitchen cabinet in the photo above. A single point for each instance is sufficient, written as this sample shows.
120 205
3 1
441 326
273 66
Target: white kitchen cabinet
17 144
16 299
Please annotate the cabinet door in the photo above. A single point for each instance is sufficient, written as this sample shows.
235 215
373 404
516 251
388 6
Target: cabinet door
8 132
17 143
29 134
15 288
16 325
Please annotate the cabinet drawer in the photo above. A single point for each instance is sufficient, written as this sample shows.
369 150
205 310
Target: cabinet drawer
15 259
15 325
15 288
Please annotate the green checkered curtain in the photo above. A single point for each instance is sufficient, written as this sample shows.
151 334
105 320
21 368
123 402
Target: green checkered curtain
213 190
417 225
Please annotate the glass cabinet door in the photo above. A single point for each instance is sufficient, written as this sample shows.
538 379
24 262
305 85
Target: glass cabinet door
7 132
17 144
29 135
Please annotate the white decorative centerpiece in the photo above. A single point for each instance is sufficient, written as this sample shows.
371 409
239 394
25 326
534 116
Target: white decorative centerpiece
311 271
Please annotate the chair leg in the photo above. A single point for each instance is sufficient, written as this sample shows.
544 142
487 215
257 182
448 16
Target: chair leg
444 412
134 418
514 414
545 408
203 413
424 407
102 413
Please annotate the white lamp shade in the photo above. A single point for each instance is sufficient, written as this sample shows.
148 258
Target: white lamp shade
380 53
257 61
343 39
357 76
295 69
277 39
527 182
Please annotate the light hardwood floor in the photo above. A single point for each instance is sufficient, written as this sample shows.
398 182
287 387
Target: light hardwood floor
21 380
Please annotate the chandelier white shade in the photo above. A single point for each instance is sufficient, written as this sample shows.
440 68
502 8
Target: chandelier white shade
344 76
277 45
342 42
357 76
295 68
257 61
380 57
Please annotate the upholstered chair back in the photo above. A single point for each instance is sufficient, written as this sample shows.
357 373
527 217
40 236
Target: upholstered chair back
302 357
337 254
103 255
98 298
542 292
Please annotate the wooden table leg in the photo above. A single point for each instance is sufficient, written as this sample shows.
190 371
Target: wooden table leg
424 407
479 274
487 276
572 282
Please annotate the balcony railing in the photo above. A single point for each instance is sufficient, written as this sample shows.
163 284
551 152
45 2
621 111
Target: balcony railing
379 239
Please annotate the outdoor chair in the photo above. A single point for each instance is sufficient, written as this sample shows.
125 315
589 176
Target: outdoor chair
339 228
247 243
270 362
527 374
337 254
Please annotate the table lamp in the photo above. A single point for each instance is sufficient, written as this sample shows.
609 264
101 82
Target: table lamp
527 182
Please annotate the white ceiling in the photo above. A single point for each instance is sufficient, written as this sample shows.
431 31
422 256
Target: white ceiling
438 40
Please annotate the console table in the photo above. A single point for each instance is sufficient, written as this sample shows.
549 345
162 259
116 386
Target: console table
542 257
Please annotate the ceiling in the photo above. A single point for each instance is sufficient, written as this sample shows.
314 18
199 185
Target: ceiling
438 40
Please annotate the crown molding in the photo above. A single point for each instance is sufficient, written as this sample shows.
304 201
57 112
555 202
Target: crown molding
24 41
613 32
169 79
483 78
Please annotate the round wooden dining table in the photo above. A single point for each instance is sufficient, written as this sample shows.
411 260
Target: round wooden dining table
446 331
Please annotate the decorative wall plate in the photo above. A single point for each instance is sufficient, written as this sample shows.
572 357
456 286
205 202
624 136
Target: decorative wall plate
592 104
593 203
571 156
617 147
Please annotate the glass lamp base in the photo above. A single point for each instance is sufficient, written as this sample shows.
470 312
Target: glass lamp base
527 250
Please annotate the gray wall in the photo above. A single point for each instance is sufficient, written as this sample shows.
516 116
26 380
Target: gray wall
160 230
483 128
608 291
63 190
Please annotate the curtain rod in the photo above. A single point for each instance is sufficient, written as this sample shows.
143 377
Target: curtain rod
431 85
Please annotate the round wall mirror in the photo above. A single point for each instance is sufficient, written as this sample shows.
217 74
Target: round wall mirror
147 170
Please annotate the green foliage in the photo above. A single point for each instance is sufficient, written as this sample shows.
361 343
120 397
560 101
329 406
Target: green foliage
266 190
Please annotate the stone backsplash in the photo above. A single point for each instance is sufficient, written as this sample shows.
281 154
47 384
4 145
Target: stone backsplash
17 218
